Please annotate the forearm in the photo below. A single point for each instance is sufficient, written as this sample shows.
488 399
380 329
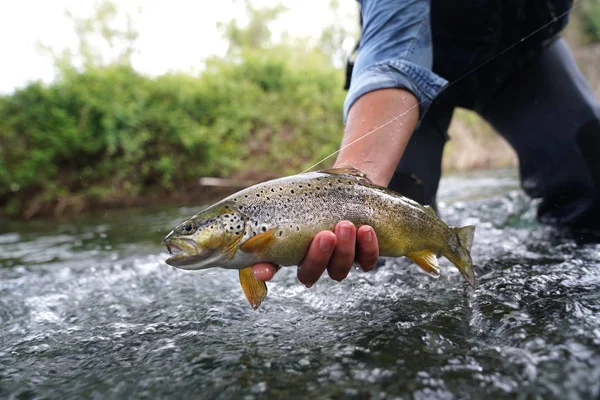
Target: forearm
378 153
392 79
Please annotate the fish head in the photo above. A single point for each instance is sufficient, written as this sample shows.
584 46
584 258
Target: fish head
208 239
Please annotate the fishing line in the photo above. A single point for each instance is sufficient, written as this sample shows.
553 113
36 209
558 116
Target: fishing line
524 38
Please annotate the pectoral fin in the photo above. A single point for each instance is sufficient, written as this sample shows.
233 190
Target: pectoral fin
259 243
428 262
255 290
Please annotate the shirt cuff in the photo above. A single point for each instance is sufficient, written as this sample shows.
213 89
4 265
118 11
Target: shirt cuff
422 82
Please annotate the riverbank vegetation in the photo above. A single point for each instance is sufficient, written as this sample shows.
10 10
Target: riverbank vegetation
103 134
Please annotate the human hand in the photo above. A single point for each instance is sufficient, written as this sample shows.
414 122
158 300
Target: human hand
334 252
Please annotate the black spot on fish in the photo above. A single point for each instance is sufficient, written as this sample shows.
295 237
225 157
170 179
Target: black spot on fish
292 191
246 196
239 226
264 228
297 228
280 233
268 198
272 190
300 186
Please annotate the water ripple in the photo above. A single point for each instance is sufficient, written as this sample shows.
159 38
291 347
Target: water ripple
89 309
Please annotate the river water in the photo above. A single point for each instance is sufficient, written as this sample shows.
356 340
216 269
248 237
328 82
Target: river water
89 309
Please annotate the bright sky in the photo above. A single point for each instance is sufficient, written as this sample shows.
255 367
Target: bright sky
174 34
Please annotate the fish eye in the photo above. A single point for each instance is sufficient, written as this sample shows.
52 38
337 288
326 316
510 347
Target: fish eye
188 228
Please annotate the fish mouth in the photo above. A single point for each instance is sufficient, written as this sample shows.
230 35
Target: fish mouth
185 253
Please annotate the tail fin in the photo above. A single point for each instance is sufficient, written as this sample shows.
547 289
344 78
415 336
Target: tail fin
464 262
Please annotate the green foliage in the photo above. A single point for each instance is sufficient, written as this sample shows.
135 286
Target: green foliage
591 19
103 132
256 34
334 36
108 132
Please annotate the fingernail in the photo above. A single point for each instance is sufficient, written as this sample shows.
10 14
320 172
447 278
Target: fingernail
368 236
308 285
345 232
326 243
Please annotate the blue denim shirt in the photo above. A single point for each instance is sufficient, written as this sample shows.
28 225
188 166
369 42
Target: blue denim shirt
395 51
396 47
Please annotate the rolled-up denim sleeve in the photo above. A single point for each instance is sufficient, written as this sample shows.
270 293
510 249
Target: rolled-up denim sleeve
395 52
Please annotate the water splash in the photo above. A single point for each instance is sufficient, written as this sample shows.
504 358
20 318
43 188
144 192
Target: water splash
89 309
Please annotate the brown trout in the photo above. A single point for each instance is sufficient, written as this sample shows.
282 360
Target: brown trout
275 222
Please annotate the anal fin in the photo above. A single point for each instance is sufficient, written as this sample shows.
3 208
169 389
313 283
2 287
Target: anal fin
254 289
428 262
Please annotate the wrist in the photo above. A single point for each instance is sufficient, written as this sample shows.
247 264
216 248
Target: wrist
379 126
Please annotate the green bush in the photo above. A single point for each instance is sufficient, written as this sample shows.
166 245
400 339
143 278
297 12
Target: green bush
591 20
109 133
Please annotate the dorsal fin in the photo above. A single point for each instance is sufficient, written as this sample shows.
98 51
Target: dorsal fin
347 170
430 210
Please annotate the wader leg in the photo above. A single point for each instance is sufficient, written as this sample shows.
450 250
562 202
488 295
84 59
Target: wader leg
417 175
551 117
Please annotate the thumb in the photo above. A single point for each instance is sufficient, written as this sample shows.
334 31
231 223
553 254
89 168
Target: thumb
265 271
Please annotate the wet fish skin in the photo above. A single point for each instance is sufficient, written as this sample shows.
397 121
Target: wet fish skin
275 222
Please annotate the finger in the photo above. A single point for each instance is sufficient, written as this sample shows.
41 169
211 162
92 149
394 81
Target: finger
264 271
368 247
343 254
317 258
